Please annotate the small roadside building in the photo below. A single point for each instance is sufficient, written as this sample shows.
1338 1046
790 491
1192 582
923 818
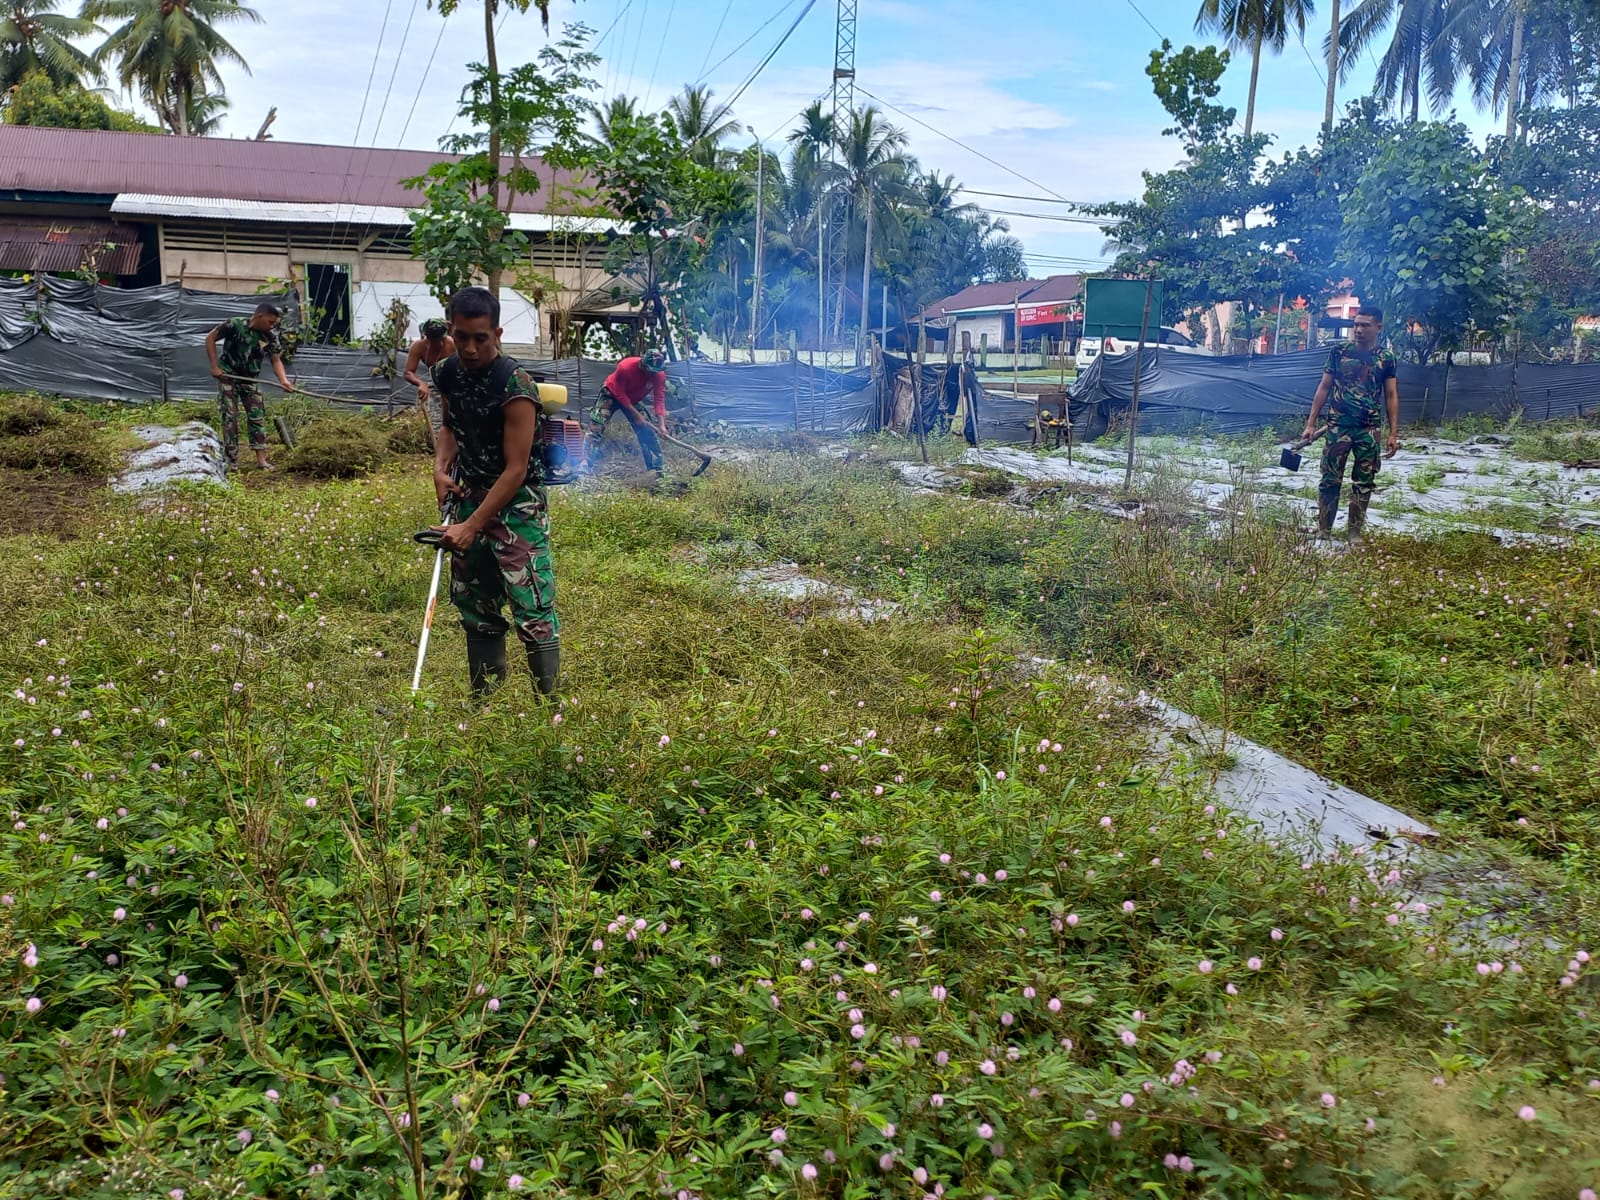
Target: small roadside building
227 215
1039 309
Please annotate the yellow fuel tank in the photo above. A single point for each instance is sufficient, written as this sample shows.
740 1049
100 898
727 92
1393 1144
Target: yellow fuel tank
552 398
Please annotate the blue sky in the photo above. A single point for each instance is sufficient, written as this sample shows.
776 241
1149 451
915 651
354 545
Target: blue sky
1058 100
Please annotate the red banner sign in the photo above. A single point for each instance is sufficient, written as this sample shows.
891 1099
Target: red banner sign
1049 314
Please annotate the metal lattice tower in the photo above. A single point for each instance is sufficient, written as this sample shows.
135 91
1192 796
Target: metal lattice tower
844 103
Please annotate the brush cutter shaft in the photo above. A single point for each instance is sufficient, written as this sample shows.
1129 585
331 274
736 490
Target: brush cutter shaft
427 619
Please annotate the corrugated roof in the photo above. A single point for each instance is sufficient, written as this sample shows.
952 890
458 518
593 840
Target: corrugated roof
39 244
101 162
982 297
284 212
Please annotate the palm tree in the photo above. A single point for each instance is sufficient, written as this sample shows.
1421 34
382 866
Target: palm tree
874 178
169 51
808 173
618 112
1254 25
702 124
34 37
1519 52
1423 51
206 112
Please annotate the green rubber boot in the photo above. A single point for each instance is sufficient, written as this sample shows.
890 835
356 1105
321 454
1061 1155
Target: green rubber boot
545 664
486 661
1358 514
1327 509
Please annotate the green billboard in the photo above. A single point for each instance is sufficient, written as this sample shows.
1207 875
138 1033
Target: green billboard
1115 308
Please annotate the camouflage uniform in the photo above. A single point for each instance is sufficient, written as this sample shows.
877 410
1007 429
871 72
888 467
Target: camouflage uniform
510 561
1355 409
239 352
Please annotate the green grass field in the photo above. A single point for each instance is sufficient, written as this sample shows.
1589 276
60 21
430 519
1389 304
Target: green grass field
774 903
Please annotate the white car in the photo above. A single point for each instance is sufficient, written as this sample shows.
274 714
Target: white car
1168 338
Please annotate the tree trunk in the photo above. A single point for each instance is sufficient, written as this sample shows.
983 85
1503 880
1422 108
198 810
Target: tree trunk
1414 81
866 282
493 61
1333 73
1514 82
1255 73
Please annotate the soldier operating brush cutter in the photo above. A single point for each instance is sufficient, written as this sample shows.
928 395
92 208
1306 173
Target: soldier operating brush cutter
1289 459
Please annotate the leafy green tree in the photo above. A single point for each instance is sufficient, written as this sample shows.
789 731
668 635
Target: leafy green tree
37 101
170 52
463 230
34 37
1427 231
1421 54
873 180
1186 82
1256 25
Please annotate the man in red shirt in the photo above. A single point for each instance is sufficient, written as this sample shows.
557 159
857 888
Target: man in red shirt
624 391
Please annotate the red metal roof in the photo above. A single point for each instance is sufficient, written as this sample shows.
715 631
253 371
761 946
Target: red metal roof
38 244
1055 289
99 162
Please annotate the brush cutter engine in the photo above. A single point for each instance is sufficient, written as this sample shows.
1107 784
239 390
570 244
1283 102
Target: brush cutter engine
560 437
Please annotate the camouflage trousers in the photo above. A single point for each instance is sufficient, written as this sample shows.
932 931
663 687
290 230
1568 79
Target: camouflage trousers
1362 446
510 561
230 395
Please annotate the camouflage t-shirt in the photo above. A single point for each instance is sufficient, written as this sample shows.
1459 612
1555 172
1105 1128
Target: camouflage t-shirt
1359 383
475 413
240 348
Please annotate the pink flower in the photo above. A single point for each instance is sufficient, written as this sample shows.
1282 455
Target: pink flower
1186 1164
1129 1038
515 1183
1527 1113
808 1171
886 1162
1254 963
476 1163
936 1101
1116 1129
1205 967
181 982
986 1131
664 742
34 1004
523 1100
1329 1100
858 1031
938 992
942 1058
791 1099
1127 1100
1000 775
1054 1004
1105 822
245 1137
987 1066
1277 935
935 896
1586 1194
494 1004
1000 876
779 1137
1128 906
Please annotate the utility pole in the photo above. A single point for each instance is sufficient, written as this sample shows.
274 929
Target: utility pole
844 105
761 237
866 281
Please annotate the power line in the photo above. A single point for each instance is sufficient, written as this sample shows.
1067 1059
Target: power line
373 73
963 145
781 10
638 42
1147 21
1321 78
661 46
1017 196
422 83
621 12
1095 221
712 44
399 58
810 4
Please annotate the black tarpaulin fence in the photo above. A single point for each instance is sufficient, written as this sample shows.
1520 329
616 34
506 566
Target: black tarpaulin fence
1236 394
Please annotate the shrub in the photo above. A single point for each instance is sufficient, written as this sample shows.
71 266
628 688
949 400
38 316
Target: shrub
408 434
37 435
22 415
338 448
